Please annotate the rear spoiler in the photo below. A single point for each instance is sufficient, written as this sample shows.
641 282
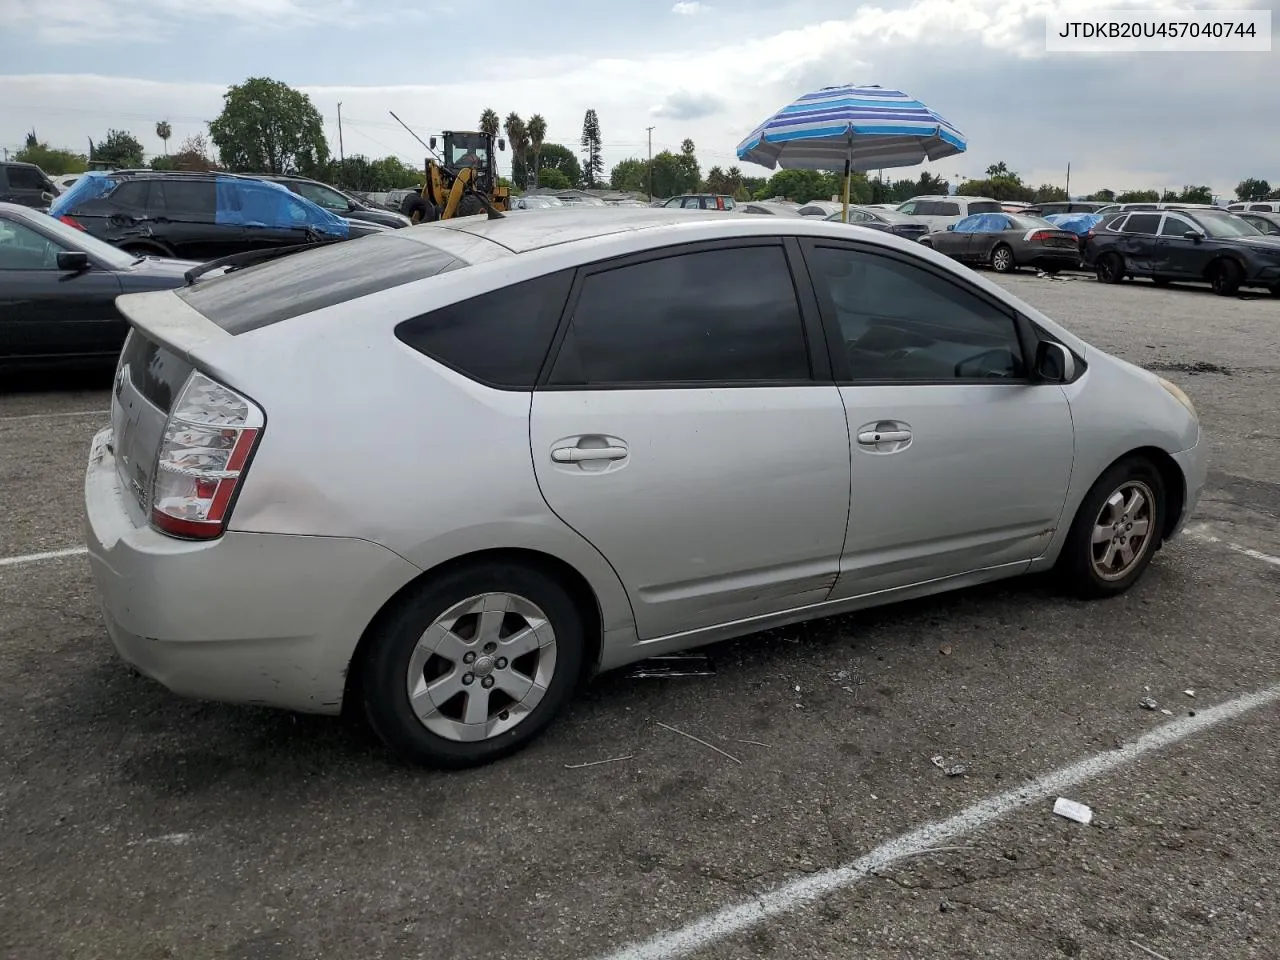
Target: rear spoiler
168 320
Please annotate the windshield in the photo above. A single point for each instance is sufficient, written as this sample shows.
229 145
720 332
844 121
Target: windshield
467 151
114 257
1226 225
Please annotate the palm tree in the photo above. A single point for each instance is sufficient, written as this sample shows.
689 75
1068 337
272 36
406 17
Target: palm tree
164 132
537 131
489 122
517 137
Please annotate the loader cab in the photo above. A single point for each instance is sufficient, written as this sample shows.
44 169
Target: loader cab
472 149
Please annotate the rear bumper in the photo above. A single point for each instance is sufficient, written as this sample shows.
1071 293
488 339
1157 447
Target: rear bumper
266 619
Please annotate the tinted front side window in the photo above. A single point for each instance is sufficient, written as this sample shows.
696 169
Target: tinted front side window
900 322
1173 227
499 338
184 199
22 248
1146 223
24 178
713 316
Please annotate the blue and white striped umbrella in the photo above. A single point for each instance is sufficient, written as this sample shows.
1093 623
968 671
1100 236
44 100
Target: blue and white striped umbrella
851 127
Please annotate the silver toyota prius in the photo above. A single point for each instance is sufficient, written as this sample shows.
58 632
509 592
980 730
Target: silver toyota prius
443 474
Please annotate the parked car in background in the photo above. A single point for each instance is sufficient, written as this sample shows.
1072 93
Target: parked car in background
1007 241
337 557
937 213
820 208
1077 223
1063 206
536 202
1111 208
64 182
767 208
26 184
1014 206
58 289
1211 246
1255 206
890 221
397 200
702 201
1264 223
196 216
336 201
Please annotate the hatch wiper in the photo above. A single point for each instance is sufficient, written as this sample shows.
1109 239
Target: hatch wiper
238 261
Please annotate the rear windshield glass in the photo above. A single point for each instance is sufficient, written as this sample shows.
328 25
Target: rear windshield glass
299 283
984 206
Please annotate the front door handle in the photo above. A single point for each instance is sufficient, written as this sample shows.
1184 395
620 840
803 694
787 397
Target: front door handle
872 437
580 454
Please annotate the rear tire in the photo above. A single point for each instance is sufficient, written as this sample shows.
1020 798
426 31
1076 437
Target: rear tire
1225 277
418 209
469 206
1114 536
1110 268
473 705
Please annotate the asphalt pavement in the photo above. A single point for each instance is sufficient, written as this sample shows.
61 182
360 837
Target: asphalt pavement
140 825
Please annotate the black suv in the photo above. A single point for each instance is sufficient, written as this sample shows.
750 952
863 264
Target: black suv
1182 244
196 216
335 201
25 183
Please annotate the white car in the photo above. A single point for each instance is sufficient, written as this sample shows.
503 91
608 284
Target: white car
938 212
443 473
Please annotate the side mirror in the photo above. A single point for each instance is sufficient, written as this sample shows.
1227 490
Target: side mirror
1195 235
951 226
432 141
74 260
502 144
1055 363
46 197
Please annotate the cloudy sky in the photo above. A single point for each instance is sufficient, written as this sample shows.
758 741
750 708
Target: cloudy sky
706 69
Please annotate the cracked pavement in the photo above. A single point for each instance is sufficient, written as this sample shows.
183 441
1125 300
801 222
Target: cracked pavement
141 825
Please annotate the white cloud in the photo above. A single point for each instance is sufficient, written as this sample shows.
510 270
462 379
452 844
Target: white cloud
688 8
980 63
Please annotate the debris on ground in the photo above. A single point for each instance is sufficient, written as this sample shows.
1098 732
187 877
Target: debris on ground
1148 703
1167 713
1190 693
945 649
596 763
674 665
667 726
1193 368
1073 810
1041 275
950 769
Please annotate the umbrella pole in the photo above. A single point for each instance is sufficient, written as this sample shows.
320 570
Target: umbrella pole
845 215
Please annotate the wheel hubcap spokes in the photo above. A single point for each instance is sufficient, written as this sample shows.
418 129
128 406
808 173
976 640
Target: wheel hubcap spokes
1122 532
481 667
1002 259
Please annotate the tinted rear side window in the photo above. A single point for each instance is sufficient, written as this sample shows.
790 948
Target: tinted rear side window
190 200
313 279
713 316
499 338
1142 223
943 208
984 206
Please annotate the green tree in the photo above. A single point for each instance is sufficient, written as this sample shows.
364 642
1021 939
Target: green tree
266 126
489 122
194 154
1138 196
120 150
555 156
164 132
517 139
804 186
1252 189
1192 194
631 175
1047 192
689 165
1102 196
553 179
593 172
53 162
1000 169
536 128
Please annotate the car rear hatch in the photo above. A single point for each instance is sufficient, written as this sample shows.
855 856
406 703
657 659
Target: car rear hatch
1056 239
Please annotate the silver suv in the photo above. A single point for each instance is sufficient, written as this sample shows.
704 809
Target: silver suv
939 212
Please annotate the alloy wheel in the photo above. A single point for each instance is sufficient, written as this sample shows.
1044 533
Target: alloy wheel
1002 260
481 667
1122 532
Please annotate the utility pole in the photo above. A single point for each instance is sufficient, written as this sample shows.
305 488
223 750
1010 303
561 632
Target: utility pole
649 130
342 160
1068 179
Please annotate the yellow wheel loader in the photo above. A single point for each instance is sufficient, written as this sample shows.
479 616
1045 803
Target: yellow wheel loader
463 183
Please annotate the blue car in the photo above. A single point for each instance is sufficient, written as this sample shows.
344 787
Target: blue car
196 216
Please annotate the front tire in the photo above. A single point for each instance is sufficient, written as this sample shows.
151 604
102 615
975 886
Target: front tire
1002 259
1225 277
473 665
1116 531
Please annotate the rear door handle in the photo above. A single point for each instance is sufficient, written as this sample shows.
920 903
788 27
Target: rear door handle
579 454
872 437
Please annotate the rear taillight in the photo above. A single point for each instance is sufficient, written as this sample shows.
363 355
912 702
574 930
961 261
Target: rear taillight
208 439
72 222
1040 236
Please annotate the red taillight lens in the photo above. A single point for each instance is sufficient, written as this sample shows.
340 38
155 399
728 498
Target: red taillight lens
72 222
1040 236
210 434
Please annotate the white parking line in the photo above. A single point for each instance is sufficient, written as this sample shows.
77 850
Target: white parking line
717 926
44 416
1201 532
47 555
